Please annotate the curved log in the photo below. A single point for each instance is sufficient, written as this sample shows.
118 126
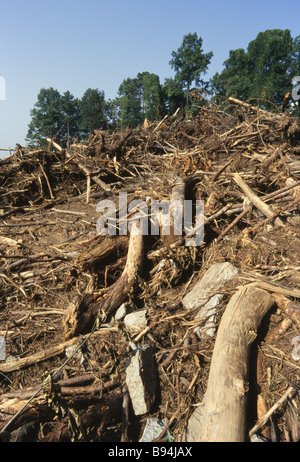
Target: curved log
223 415
81 316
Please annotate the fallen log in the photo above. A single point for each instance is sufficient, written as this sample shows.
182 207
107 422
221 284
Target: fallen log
264 208
81 316
40 356
223 418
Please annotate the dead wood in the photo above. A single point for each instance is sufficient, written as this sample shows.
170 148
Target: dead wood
40 356
81 316
224 415
58 277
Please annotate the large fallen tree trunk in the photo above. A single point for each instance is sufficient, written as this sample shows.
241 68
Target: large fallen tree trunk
223 417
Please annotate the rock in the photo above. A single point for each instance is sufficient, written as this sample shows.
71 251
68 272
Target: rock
152 430
259 439
208 312
2 348
141 379
75 351
137 321
192 431
121 312
212 281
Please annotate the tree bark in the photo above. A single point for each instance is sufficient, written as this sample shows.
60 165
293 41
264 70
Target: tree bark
81 316
224 416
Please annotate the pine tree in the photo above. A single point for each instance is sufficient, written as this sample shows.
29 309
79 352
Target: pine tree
93 111
54 116
261 74
190 62
45 117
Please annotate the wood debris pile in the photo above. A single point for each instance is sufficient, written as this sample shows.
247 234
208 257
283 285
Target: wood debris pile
102 336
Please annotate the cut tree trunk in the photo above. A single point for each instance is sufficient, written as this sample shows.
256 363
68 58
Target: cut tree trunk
82 315
223 417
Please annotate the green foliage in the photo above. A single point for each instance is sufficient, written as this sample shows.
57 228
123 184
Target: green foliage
140 98
174 95
113 114
270 55
93 111
65 118
55 116
152 96
296 56
45 117
130 102
263 72
190 62
70 117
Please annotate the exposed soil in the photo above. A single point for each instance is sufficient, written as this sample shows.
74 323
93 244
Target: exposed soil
51 256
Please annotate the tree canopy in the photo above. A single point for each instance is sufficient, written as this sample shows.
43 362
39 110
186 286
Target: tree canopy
46 118
264 72
189 61
64 117
93 111
139 98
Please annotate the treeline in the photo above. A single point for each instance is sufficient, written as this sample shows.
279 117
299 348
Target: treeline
262 74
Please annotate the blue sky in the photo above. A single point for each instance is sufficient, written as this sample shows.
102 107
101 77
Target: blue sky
74 44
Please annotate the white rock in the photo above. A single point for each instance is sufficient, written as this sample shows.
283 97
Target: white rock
212 281
2 348
152 430
192 431
137 321
141 379
121 312
208 312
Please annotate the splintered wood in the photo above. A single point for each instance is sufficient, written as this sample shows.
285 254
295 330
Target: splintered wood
203 339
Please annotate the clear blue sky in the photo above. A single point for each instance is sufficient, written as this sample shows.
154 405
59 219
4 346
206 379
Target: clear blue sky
78 44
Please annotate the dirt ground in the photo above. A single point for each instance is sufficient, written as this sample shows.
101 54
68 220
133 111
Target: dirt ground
51 256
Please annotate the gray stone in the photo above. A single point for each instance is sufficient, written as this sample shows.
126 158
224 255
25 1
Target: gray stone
152 430
212 281
194 423
141 379
137 321
121 312
208 312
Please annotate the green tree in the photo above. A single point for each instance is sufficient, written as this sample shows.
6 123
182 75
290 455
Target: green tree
174 96
262 72
270 55
130 102
113 114
139 98
54 115
296 56
190 62
235 76
70 117
152 96
218 87
46 118
93 111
